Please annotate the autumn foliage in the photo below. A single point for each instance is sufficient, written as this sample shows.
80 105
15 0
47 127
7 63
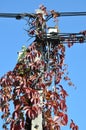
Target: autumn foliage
41 64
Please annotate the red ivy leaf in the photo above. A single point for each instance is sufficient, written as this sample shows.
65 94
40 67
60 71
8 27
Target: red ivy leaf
63 106
65 119
66 78
73 126
63 92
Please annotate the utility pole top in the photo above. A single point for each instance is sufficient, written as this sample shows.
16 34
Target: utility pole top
29 85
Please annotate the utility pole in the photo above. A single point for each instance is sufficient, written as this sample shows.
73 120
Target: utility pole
37 123
47 58
45 47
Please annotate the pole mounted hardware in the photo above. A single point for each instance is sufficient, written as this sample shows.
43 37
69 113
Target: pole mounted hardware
37 27
38 66
33 15
17 15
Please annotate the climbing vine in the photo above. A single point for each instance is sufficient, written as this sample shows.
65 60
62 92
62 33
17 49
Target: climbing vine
40 66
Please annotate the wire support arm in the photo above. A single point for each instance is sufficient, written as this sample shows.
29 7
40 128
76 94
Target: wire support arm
65 37
32 15
17 15
63 14
72 14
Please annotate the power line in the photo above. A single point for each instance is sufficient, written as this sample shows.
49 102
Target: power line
72 14
17 15
32 15
61 14
65 37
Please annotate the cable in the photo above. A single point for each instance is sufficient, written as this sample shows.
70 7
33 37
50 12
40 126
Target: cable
61 14
17 15
64 34
22 15
66 37
72 14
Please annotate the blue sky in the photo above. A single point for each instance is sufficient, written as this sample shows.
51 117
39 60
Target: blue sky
13 36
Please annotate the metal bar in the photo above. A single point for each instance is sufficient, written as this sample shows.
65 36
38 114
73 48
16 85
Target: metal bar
17 15
72 14
66 38
61 14
22 15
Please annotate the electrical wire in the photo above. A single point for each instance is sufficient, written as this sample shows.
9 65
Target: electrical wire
66 37
22 15
64 34
17 15
61 36
61 14
72 14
